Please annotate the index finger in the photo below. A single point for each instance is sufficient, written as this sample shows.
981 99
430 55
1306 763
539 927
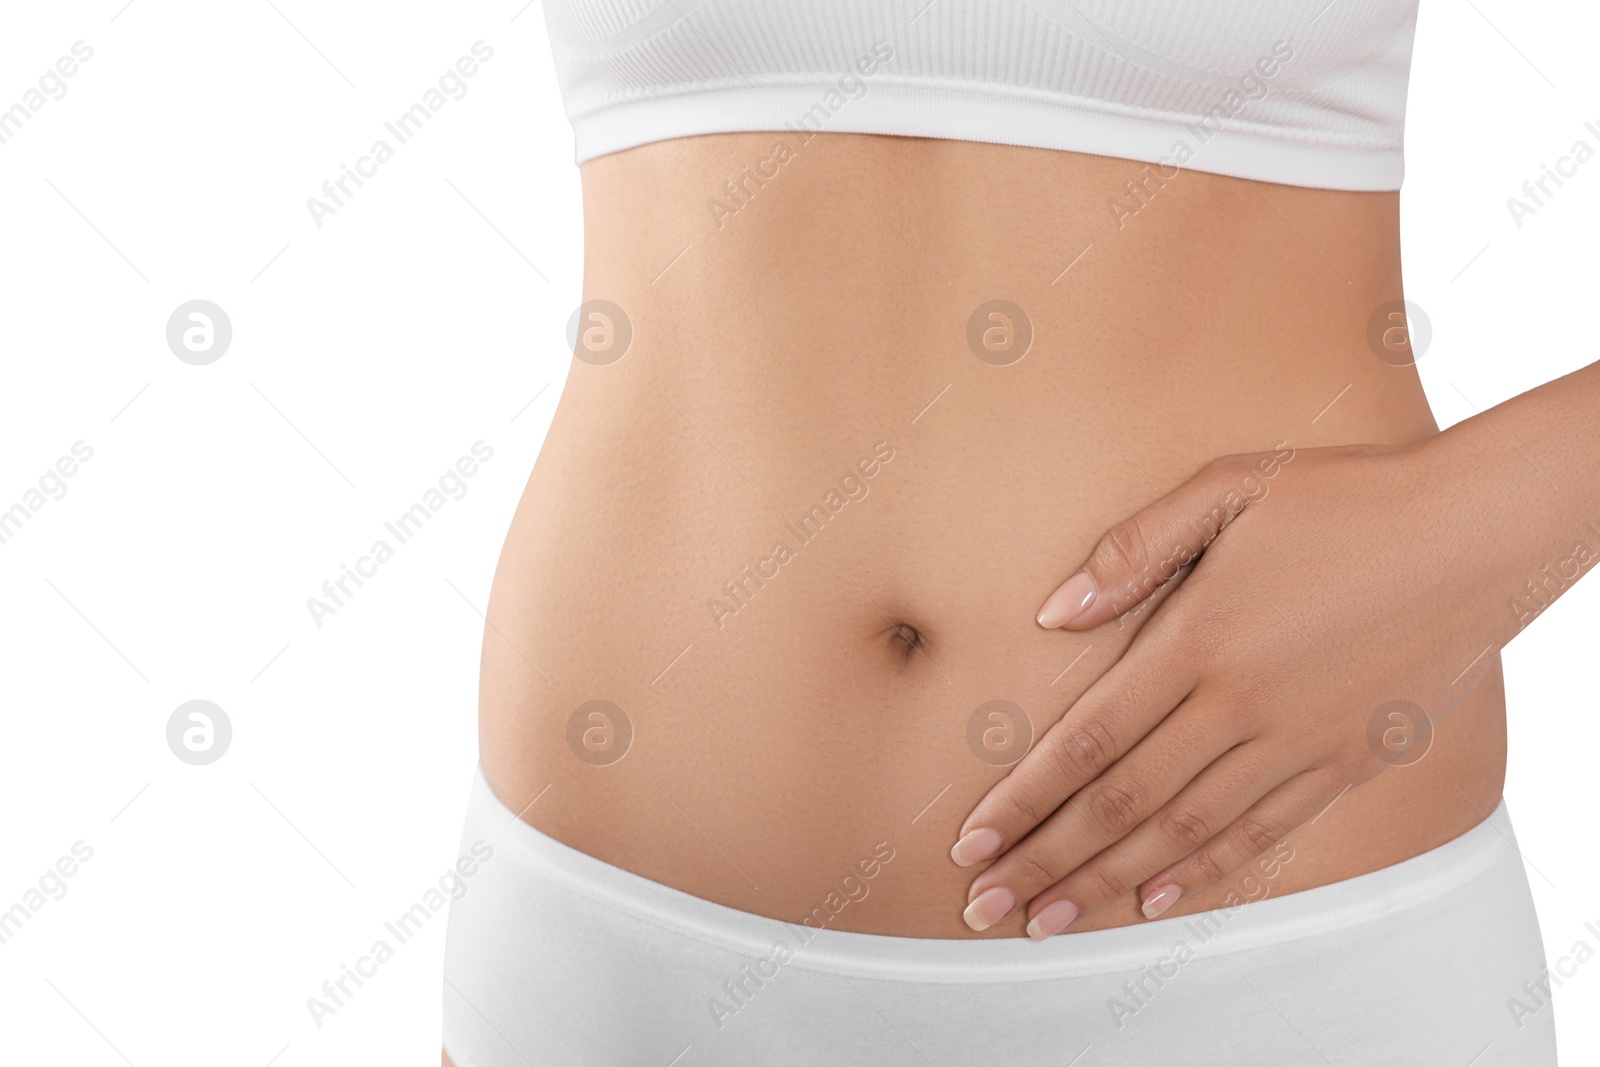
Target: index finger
1105 723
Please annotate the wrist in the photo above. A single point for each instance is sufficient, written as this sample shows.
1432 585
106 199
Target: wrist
1504 523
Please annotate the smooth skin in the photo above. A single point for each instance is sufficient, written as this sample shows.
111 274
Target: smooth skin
775 345
1246 705
773 349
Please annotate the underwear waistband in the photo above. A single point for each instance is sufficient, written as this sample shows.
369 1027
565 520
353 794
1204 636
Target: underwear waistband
1421 880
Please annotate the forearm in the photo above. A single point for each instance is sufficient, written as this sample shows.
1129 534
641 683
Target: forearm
1526 522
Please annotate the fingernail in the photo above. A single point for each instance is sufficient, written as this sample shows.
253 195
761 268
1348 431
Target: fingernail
1159 901
975 847
1068 602
991 905
1052 919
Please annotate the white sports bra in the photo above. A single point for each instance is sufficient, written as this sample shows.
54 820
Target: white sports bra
1304 92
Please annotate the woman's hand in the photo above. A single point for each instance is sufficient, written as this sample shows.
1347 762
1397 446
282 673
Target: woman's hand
1344 600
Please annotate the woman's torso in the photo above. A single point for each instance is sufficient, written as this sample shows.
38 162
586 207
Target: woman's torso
809 335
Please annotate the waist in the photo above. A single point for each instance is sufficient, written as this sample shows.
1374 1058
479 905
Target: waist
793 536
963 359
991 316
1268 919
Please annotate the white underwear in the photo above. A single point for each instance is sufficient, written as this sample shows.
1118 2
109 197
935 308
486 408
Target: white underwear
556 958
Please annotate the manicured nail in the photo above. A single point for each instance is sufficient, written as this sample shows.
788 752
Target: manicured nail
1068 602
975 847
1159 901
991 905
1054 918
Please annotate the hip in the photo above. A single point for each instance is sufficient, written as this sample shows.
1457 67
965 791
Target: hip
555 955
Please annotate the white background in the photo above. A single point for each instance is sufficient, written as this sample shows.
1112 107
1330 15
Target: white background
368 354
